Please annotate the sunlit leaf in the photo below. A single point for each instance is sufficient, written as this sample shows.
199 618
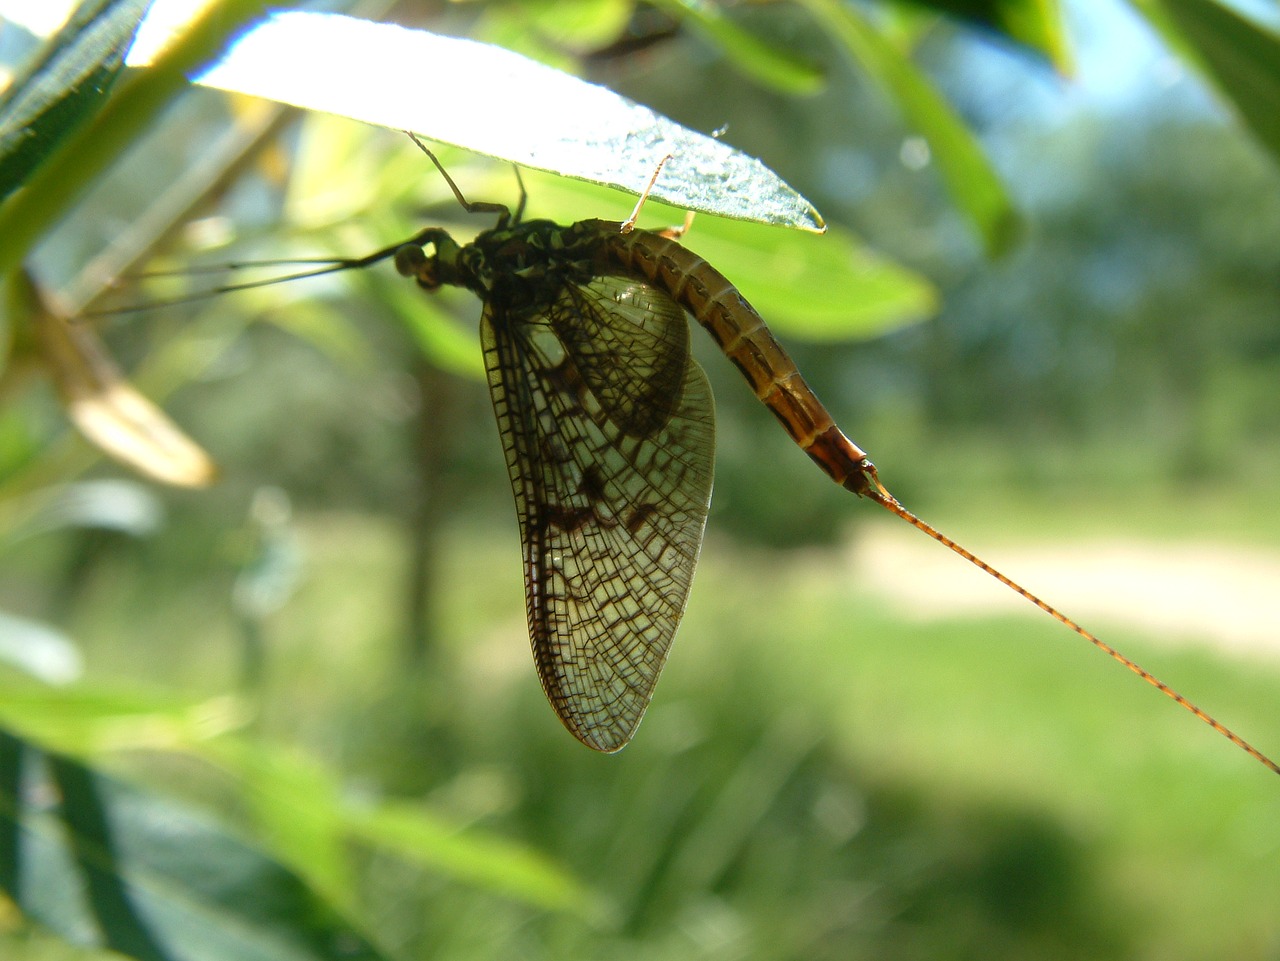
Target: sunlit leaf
374 72
84 720
116 505
297 805
108 865
38 649
67 83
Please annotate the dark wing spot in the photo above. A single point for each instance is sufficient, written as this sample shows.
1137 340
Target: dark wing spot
639 517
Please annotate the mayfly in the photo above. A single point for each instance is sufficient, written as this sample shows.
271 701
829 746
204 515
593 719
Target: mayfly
609 433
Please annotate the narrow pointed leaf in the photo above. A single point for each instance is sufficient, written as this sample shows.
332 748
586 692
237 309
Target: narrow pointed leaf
312 821
107 865
65 84
754 56
969 177
524 112
38 649
109 411
829 287
484 860
1240 57
88 150
124 506
1036 24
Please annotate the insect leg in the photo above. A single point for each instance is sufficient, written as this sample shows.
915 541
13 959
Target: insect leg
471 206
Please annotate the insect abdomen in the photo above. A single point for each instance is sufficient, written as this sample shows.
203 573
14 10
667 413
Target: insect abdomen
741 333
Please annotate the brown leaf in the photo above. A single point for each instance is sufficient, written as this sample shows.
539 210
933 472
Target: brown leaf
109 411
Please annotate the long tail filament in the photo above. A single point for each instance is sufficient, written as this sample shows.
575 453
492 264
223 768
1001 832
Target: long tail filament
890 503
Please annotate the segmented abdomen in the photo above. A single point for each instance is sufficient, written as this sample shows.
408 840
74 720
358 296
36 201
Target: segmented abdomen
741 333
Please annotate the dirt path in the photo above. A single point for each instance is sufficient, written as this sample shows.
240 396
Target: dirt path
1187 592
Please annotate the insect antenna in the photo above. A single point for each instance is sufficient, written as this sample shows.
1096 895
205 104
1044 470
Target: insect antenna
318 266
890 503
321 266
230 265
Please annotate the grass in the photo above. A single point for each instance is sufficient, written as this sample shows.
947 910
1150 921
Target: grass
1019 713
816 778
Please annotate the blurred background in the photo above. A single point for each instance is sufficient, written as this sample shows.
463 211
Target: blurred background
860 747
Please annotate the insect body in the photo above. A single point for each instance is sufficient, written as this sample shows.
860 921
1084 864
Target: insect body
609 432
608 427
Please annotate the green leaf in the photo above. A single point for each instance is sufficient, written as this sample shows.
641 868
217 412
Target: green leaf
753 56
126 507
439 336
64 85
1241 58
487 861
57 183
108 865
85 720
1036 24
501 104
39 649
297 806
827 288
970 179
311 822
304 812
821 287
550 30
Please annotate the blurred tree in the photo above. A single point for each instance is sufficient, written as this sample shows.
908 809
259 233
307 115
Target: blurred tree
1138 281
1148 315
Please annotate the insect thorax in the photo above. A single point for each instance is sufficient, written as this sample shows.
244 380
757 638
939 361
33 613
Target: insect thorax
525 267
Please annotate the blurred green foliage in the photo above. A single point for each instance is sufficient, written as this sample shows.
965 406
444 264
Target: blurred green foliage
327 647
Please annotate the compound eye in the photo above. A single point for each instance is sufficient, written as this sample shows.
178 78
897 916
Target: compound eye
412 261
409 259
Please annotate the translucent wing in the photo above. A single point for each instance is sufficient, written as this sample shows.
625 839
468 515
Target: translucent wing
609 432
